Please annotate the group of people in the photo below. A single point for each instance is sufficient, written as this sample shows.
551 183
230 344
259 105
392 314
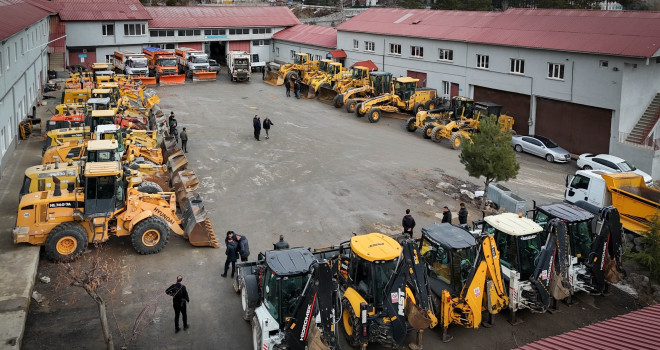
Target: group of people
408 222
256 123
174 132
296 87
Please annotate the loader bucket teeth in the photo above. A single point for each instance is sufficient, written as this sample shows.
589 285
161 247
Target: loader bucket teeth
177 162
326 95
204 76
306 91
274 78
196 224
184 183
176 79
169 147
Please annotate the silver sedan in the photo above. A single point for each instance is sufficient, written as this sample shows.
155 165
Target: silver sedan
540 146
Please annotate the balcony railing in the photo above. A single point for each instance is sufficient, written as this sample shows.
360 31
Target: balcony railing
648 142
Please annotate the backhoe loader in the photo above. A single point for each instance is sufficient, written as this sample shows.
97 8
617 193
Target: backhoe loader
66 221
290 298
464 275
404 96
358 78
459 108
383 289
459 130
300 68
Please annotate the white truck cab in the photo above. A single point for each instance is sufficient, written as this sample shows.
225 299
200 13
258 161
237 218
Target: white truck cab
588 186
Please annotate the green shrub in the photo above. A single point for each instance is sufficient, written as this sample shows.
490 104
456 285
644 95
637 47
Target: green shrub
650 256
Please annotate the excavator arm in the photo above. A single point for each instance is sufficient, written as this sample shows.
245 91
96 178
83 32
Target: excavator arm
606 246
551 273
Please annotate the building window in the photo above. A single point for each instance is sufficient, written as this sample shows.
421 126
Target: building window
108 58
109 30
293 54
277 51
134 29
446 88
318 57
0 63
604 64
556 71
395 49
260 42
189 32
239 31
260 30
356 44
22 47
170 46
214 32
417 51
517 66
15 53
157 33
445 55
8 56
482 61
369 46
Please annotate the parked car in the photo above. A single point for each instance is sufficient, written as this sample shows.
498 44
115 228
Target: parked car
540 146
214 66
588 161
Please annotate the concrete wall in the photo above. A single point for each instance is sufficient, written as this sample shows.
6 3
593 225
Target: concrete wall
90 34
23 71
285 48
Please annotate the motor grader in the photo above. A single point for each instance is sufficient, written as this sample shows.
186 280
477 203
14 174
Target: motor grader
358 78
459 130
379 83
327 76
459 108
404 96
300 68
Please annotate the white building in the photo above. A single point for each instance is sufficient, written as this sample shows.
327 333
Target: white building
23 66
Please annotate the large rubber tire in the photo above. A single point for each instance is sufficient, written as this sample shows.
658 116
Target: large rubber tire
149 187
428 131
150 235
374 115
324 85
350 105
289 75
257 342
236 283
417 108
518 148
410 124
549 158
456 141
249 296
587 167
357 111
429 105
338 101
350 323
66 242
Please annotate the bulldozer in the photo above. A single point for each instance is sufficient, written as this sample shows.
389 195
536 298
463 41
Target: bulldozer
359 77
327 76
459 108
301 66
459 130
404 96
464 275
66 221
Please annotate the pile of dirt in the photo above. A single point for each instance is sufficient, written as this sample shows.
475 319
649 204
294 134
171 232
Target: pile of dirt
311 12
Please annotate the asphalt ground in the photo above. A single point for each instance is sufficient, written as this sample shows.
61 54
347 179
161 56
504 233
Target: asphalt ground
322 175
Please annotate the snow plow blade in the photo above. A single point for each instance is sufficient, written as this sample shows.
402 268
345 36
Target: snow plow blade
306 91
175 79
326 95
145 80
274 78
196 224
204 76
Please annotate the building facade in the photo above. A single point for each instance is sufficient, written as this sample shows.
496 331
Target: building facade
315 40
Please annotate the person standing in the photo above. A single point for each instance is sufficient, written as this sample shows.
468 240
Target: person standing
263 73
184 140
232 254
287 86
267 124
281 244
408 223
446 215
243 247
257 127
179 295
296 87
173 125
462 215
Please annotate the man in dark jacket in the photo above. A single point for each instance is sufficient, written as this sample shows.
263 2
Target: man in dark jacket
173 131
446 215
180 297
296 88
267 124
462 215
282 244
257 127
243 247
232 256
287 86
184 140
408 223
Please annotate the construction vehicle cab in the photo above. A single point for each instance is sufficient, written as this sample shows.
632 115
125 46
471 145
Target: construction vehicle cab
60 136
99 103
40 177
101 117
103 151
106 93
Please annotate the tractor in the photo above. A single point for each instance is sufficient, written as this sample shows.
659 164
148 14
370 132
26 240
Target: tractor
459 108
404 96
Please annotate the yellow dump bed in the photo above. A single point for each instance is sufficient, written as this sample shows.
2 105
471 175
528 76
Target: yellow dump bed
635 202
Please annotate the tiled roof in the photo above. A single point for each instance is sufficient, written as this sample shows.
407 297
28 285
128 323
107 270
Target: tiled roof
16 15
309 34
220 16
622 33
102 10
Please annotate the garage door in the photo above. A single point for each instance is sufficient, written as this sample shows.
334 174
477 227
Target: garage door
568 123
239 46
418 75
513 104
82 57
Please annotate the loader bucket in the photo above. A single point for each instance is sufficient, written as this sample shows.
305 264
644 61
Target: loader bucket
417 317
146 80
326 95
274 78
169 147
175 79
184 183
307 91
204 76
162 180
177 162
196 224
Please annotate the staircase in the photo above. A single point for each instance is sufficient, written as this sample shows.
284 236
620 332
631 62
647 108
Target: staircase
646 122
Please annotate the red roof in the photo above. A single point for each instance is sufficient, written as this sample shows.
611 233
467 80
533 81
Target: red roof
20 14
636 330
621 33
337 54
220 16
367 64
101 10
309 34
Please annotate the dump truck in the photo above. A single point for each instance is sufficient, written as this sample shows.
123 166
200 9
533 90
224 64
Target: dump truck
194 64
238 65
404 96
163 66
301 66
129 63
627 192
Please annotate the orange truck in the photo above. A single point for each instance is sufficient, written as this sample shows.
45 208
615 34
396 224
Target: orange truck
163 66
195 64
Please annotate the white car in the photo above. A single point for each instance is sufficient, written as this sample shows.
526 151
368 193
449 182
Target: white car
588 161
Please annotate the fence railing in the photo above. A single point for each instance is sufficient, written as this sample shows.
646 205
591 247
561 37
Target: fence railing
648 143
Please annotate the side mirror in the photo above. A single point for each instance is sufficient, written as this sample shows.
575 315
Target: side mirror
566 180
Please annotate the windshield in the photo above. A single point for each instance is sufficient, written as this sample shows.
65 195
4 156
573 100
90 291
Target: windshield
292 288
299 59
382 273
200 59
241 63
357 73
580 234
139 63
625 166
169 62
547 142
529 248
462 261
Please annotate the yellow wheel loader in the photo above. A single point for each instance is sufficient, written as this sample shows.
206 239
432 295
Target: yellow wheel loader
358 78
459 131
404 97
459 108
40 177
301 66
380 83
76 96
66 221
327 76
